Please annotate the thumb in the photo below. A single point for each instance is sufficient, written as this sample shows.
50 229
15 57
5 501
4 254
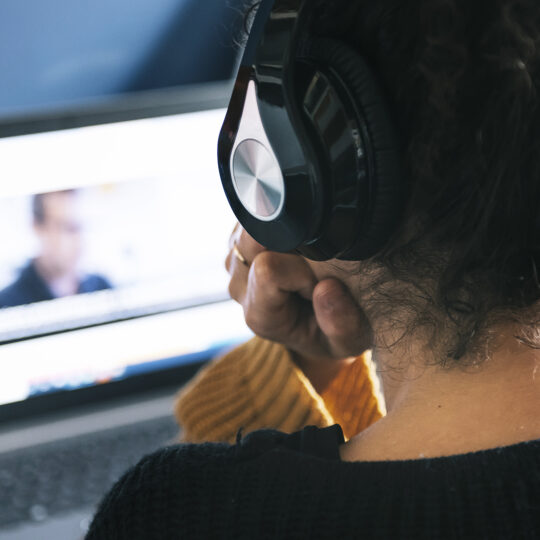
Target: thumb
342 322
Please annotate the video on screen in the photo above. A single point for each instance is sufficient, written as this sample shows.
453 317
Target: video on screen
89 255
53 264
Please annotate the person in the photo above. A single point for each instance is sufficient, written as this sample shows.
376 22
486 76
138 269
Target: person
450 309
55 272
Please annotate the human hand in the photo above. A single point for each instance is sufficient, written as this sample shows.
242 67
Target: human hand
283 301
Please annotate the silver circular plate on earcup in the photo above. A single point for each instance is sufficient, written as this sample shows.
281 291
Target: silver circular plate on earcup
258 180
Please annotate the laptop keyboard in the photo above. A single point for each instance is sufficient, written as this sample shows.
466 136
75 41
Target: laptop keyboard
46 480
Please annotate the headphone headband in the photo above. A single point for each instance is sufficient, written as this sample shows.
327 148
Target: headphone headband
280 9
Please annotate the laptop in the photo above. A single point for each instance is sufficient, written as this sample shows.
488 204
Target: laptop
114 230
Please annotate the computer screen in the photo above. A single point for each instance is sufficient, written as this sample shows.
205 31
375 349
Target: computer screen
67 54
113 240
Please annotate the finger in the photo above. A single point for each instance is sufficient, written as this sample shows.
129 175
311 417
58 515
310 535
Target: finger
235 256
239 271
340 319
232 237
278 295
277 304
232 242
239 279
273 277
248 247
291 322
243 249
228 261
237 290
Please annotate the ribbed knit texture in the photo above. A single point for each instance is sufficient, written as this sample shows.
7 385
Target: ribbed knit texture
276 486
258 386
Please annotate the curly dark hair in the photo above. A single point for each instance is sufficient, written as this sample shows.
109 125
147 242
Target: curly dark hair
462 79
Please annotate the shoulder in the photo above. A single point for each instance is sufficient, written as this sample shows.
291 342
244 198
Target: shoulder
94 282
288 486
187 487
182 465
158 492
9 296
22 290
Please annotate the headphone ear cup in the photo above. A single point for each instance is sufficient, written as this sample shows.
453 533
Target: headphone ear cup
387 184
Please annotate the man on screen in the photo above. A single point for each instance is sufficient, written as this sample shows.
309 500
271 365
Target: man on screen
54 272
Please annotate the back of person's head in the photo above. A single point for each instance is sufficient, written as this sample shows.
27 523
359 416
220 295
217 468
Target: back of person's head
462 80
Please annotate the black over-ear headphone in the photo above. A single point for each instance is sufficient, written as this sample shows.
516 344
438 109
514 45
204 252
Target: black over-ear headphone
308 156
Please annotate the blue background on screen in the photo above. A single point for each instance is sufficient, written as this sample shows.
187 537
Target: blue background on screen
55 53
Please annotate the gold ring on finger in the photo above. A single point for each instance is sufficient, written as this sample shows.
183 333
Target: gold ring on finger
239 255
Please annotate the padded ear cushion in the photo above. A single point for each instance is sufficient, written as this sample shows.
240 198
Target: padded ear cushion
388 188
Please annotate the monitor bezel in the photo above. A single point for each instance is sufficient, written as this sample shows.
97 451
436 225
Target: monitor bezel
37 407
136 106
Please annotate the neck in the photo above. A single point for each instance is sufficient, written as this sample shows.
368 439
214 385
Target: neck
60 282
433 411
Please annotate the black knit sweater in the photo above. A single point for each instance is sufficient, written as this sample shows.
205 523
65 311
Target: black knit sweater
272 485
